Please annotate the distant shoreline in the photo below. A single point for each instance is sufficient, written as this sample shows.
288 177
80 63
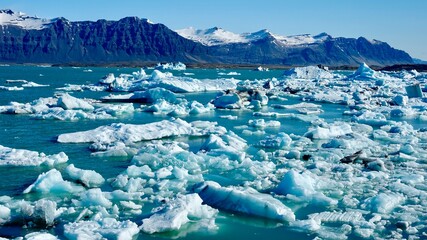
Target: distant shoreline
397 67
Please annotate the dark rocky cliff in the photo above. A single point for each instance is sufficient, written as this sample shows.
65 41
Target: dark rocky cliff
129 39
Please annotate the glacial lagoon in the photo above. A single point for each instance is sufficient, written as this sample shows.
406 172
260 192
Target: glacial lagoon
122 153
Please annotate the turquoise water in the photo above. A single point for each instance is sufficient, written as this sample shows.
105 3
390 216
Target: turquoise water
24 132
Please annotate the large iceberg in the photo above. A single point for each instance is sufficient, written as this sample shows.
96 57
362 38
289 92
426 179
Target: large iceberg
129 133
139 82
245 201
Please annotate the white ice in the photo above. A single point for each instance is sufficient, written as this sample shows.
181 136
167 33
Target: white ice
22 157
244 201
178 212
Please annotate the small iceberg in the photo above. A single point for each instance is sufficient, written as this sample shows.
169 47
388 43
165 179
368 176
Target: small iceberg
244 200
310 72
172 66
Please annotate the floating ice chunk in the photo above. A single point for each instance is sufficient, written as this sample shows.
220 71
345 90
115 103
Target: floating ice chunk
303 185
171 66
229 100
57 113
384 202
119 132
67 101
352 217
14 88
400 100
371 118
365 73
52 182
296 184
187 84
4 214
148 96
115 109
412 179
334 130
310 72
45 211
94 197
178 212
40 236
228 144
309 225
89 178
33 84
260 96
107 228
281 140
261 123
414 91
21 157
243 200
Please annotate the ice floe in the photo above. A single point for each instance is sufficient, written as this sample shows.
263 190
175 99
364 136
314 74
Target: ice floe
22 157
178 212
244 201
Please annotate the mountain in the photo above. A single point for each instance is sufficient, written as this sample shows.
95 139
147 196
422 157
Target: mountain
264 47
419 61
25 39
131 39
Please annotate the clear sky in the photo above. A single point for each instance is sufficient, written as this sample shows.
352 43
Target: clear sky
403 24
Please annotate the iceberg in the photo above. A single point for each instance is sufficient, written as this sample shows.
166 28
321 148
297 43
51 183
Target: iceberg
244 201
228 100
139 82
22 157
365 73
129 133
4 214
40 236
303 185
171 66
384 202
52 182
106 228
178 212
88 178
67 101
310 72
331 131
281 140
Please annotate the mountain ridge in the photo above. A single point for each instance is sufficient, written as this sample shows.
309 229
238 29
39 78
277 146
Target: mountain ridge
131 39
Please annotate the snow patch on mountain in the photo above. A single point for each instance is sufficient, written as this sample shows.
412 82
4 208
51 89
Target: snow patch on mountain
218 36
20 19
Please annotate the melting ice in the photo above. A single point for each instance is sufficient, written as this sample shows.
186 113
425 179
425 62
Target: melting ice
194 163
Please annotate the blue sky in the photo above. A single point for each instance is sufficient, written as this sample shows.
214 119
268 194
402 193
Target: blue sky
403 24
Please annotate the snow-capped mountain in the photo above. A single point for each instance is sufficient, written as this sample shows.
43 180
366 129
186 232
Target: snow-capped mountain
218 36
20 19
133 40
212 36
